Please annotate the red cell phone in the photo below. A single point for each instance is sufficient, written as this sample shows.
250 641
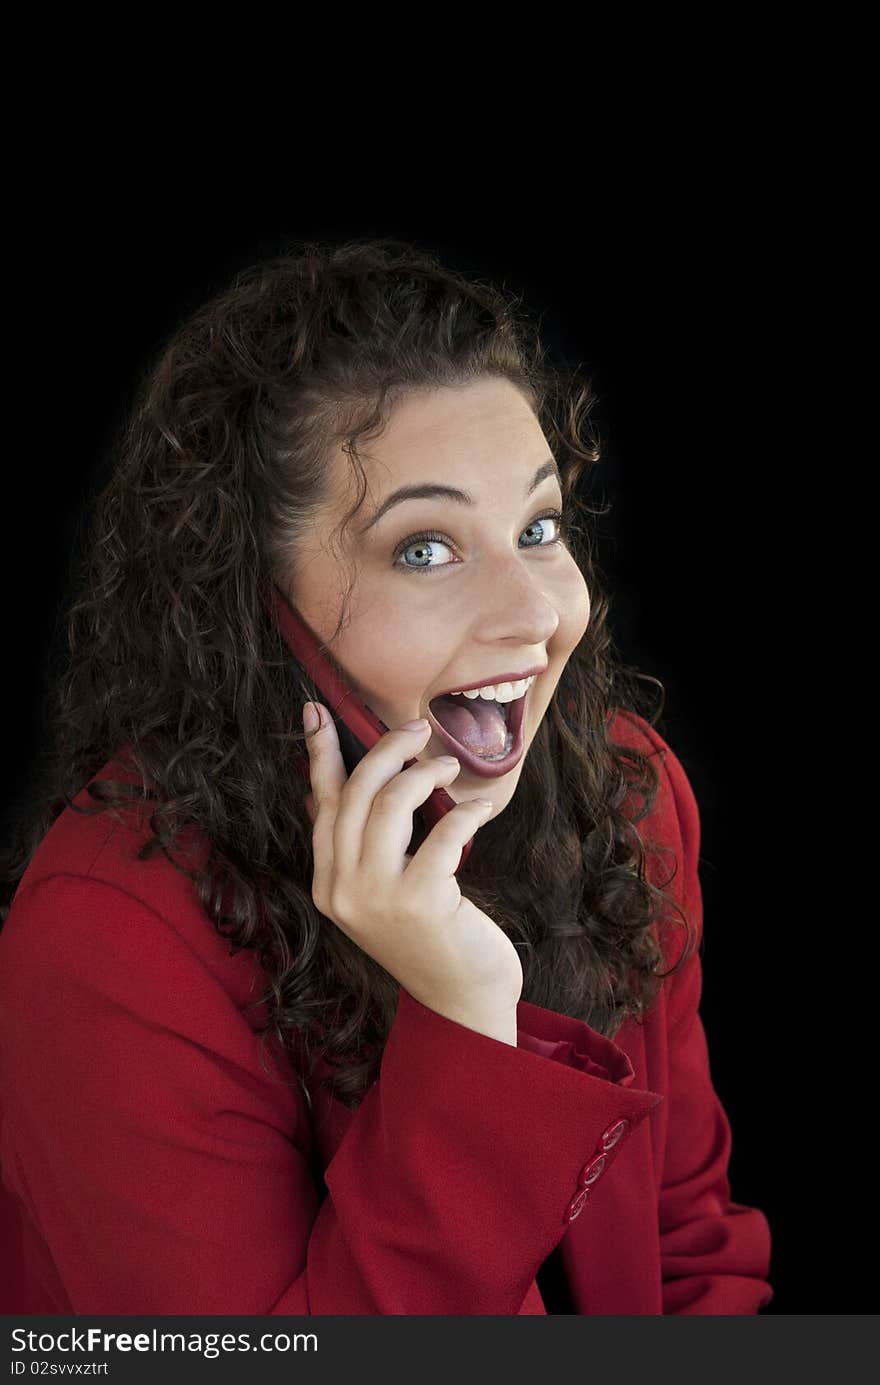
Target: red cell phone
357 727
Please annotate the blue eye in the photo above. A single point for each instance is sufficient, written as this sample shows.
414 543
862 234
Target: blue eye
423 541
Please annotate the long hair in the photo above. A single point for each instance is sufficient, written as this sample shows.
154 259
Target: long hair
222 461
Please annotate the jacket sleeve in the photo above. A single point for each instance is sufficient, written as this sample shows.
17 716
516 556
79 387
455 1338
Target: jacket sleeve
165 1173
715 1253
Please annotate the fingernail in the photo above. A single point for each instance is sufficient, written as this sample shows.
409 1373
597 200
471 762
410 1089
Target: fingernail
420 724
311 720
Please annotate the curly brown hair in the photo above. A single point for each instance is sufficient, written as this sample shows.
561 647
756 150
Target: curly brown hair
174 658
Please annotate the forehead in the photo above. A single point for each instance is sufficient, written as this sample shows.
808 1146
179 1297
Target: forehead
452 434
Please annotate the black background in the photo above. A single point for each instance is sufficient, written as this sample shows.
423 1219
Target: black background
675 313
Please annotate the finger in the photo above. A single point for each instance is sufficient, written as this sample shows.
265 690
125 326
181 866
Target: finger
439 854
327 772
381 763
328 778
389 827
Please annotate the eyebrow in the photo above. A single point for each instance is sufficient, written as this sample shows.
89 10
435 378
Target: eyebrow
432 490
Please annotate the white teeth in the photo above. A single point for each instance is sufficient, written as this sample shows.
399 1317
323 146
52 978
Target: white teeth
500 692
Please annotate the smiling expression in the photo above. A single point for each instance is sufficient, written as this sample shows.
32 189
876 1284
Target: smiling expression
493 596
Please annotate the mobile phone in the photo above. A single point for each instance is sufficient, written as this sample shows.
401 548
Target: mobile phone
357 726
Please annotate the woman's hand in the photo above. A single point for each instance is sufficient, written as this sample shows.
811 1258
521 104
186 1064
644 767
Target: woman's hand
407 912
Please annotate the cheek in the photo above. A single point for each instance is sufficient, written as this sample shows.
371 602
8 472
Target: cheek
390 670
381 647
573 605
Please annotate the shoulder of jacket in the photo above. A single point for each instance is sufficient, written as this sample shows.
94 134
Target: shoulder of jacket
95 859
673 823
629 729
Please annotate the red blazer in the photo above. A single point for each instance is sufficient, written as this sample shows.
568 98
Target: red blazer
152 1165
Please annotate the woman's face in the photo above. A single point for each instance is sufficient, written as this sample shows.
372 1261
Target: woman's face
497 598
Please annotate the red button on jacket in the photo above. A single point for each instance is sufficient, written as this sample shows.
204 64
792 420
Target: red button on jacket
611 1136
153 1165
592 1171
576 1206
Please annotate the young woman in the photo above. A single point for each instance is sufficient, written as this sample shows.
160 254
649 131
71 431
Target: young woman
261 1049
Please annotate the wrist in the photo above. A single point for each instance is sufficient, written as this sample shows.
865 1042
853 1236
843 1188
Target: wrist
499 1025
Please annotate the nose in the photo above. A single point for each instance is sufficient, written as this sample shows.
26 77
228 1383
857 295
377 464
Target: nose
514 606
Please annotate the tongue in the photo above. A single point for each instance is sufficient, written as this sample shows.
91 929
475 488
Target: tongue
479 725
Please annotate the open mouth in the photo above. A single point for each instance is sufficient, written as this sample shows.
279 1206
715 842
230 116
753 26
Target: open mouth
485 735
